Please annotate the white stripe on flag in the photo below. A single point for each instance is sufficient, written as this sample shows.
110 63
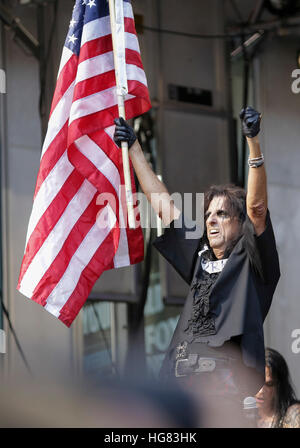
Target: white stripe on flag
131 42
98 157
94 103
110 130
56 238
81 258
95 29
135 73
48 190
59 117
65 57
128 10
95 66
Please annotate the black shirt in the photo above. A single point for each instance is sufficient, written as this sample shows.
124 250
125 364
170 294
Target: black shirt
225 307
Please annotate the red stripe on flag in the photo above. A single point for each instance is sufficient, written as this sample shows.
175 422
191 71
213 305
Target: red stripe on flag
95 47
65 79
129 25
134 58
136 246
55 150
90 86
142 101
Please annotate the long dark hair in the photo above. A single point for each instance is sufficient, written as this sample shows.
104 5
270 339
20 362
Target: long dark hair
236 201
284 395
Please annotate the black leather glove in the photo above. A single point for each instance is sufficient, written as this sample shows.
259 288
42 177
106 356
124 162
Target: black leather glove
250 121
123 133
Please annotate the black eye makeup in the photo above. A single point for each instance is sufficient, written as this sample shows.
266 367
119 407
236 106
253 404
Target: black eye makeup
220 213
223 214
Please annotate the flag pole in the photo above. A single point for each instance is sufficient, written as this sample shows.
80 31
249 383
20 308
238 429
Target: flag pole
121 83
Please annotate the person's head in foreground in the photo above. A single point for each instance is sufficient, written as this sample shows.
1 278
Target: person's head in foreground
276 401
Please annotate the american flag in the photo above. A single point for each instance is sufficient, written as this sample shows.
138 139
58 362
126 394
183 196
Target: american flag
66 249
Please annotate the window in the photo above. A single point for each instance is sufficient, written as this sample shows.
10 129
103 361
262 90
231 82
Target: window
160 321
97 359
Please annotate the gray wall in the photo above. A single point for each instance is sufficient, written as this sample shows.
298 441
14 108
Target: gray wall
280 142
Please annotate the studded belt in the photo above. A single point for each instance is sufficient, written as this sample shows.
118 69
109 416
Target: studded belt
196 364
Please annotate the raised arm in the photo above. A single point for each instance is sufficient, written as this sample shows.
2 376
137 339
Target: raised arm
257 199
154 189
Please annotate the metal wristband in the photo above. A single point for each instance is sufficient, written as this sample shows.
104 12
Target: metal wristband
256 164
256 158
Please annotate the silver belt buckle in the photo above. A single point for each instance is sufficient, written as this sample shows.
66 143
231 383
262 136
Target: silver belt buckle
176 367
206 365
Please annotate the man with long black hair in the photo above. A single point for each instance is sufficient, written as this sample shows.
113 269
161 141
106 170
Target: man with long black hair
232 270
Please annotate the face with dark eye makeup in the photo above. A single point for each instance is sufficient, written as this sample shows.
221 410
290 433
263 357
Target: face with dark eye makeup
222 227
265 396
